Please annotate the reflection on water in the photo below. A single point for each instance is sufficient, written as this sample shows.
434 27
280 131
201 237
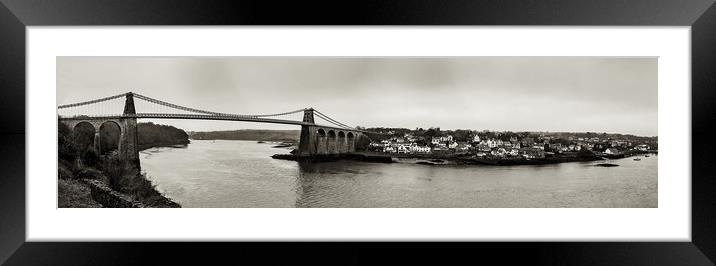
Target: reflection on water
242 174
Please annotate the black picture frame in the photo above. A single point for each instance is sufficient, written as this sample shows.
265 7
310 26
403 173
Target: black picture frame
16 15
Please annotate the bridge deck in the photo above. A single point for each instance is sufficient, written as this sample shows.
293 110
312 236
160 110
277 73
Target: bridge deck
207 117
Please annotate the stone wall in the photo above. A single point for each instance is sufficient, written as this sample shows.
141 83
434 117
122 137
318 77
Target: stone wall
108 197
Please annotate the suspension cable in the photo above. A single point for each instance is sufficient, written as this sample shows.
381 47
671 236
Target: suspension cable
279 114
333 121
171 105
92 101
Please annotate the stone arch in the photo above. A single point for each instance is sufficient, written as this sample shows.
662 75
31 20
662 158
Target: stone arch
331 142
83 135
110 137
350 142
341 142
321 141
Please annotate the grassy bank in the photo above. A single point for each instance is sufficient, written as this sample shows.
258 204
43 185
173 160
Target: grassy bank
74 194
117 175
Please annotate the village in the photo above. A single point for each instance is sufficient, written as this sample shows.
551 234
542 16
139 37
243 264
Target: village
509 145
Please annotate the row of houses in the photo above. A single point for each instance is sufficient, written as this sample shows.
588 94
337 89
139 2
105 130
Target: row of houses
527 153
526 146
620 150
394 147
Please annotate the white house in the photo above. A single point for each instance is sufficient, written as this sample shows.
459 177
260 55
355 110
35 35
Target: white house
440 147
446 138
499 152
420 149
541 147
464 146
435 141
491 143
612 150
403 149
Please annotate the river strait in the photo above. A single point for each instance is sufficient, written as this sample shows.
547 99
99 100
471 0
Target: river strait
241 174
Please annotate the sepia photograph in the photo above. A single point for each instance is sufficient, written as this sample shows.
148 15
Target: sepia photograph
352 133
357 132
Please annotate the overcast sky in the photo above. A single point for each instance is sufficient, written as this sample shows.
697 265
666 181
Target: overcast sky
615 95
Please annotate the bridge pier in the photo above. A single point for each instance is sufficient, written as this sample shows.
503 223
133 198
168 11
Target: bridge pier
129 143
341 142
96 145
316 140
309 141
331 143
322 141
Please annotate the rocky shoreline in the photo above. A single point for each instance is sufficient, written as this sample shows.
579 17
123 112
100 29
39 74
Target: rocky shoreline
335 157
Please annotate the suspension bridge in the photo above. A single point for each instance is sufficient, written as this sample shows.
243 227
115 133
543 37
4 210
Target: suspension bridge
320 134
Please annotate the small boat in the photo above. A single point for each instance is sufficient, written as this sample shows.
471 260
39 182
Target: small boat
646 155
606 165
283 145
637 159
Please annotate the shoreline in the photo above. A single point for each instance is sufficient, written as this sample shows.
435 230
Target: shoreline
422 159
334 157
163 145
447 159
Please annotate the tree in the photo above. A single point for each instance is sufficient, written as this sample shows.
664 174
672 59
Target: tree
90 157
584 153
362 142
462 135
432 132
66 149
150 134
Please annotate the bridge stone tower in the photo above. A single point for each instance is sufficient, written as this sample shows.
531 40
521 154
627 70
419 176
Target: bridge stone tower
307 142
128 147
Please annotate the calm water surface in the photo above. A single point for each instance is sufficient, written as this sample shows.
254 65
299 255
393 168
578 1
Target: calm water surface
226 173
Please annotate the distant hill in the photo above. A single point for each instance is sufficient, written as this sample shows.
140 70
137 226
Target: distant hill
248 134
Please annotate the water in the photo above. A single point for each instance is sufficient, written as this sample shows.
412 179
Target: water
242 174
